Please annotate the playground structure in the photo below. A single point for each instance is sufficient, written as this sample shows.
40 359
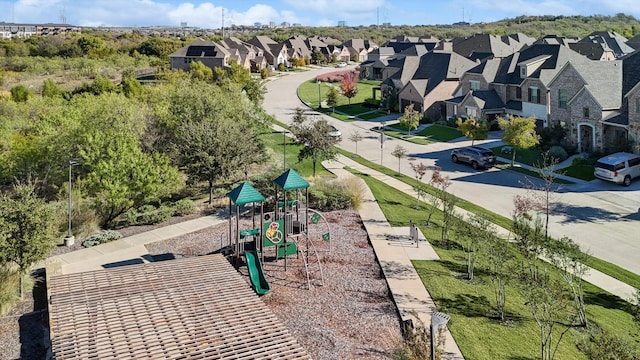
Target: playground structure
285 230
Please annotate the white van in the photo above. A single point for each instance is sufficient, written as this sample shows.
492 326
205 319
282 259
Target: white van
620 168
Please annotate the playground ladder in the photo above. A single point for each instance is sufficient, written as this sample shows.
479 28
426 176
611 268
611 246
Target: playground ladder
311 265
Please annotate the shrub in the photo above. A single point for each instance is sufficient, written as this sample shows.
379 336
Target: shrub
101 238
599 345
371 102
551 136
156 216
21 93
336 194
281 67
264 73
184 207
558 152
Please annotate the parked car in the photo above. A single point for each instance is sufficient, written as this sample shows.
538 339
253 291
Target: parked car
335 133
476 156
341 64
619 168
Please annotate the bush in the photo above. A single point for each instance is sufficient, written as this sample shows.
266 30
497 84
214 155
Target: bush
551 136
335 194
371 102
558 152
281 67
184 207
21 93
101 238
156 216
599 345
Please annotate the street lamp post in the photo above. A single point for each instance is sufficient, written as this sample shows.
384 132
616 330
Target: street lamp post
319 98
69 239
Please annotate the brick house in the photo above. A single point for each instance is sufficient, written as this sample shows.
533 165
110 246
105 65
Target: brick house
211 54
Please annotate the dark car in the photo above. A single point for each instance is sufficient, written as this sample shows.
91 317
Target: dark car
476 156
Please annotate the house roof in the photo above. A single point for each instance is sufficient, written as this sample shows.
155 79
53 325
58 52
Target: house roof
438 66
201 48
603 81
487 99
245 194
630 72
617 118
612 39
593 51
197 307
485 46
552 58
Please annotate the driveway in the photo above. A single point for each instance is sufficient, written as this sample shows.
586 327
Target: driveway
601 217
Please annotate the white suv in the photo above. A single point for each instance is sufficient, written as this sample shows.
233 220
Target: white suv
620 168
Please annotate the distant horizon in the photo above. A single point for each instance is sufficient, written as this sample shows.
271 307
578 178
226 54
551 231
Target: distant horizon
319 13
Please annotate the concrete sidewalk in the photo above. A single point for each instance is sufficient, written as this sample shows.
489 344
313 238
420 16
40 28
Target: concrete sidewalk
394 252
129 250
595 277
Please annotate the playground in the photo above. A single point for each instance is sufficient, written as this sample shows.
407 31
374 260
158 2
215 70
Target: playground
351 316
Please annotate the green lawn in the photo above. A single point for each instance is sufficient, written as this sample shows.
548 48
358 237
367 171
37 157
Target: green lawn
441 133
308 92
477 335
353 109
274 142
372 115
530 157
504 222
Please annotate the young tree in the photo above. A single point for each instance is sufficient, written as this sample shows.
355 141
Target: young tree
528 233
500 267
476 234
50 89
332 98
566 255
410 119
399 152
419 170
519 133
542 195
434 198
27 229
313 136
474 129
356 137
349 85
318 57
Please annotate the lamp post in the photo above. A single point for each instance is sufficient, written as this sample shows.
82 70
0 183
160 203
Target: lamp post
284 148
382 125
319 98
438 319
69 239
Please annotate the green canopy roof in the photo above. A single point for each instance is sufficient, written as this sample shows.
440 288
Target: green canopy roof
244 194
291 180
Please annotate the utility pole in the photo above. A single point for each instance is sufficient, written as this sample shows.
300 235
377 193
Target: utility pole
222 23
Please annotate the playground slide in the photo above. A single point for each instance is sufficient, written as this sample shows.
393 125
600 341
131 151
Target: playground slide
258 281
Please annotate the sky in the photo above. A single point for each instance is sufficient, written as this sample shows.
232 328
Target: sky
209 14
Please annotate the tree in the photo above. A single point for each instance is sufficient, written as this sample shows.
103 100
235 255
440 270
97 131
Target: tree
399 152
500 267
566 255
131 87
332 98
349 85
356 137
418 170
519 133
313 136
410 119
474 129
476 233
318 57
434 198
27 229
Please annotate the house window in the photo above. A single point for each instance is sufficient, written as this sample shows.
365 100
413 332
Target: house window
585 112
474 85
472 111
518 92
534 95
562 98
638 105
523 72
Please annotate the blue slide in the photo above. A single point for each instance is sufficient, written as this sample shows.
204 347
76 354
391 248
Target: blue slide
256 274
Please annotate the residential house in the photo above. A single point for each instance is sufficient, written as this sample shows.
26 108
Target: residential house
376 61
435 79
299 44
594 51
209 53
520 81
609 40
251 57
486 46
585 98
360 44
274 53
634 42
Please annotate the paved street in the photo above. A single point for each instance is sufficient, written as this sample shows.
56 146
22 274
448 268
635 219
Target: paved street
603 218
